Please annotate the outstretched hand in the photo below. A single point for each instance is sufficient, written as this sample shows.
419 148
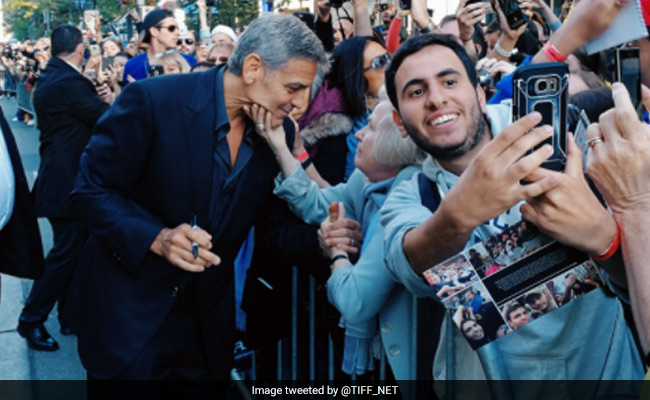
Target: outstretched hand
275 138
338 234
498 170
570 212
620 164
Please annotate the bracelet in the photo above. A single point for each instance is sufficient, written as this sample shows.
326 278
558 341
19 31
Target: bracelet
553 53
502 52
338 257
302 156
613 247
306 163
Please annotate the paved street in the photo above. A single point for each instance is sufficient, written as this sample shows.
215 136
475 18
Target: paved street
17 362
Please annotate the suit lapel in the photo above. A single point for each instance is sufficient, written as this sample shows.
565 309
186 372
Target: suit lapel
199 118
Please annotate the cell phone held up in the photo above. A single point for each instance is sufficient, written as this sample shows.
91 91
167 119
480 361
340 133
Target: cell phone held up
155 70
544 88
513 13
628 72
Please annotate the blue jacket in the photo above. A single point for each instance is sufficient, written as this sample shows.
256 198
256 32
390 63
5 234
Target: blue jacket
366 289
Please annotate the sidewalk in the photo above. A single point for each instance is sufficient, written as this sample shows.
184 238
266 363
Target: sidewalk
17 361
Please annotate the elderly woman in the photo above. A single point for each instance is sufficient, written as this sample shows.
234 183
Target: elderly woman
366 290
172 62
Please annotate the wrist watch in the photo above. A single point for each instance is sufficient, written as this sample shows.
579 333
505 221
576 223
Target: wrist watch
503 53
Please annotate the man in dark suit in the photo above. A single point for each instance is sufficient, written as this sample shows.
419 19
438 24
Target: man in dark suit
157 290
67 105
21 252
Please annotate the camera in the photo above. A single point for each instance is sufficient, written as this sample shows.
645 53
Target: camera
383 7
336 3
485 79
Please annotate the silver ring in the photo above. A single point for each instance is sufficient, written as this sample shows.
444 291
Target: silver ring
593 141
351 242
259 128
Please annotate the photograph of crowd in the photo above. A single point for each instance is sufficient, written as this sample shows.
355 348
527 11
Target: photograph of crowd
475 314
451 276
458 283
512 245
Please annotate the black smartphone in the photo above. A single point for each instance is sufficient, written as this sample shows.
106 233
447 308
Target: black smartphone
383 7
106 62
155 70
336 3
514 16
405 4
628 71
544 88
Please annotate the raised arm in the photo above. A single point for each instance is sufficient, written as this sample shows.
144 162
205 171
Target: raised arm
620 167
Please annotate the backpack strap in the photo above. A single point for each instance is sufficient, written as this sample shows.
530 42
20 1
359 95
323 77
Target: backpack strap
430 313
429 193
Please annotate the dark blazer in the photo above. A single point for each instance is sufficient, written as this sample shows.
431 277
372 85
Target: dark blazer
148 166
21 252
67 107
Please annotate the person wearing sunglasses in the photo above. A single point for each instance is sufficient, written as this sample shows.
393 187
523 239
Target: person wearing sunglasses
358 66
161 33
186 43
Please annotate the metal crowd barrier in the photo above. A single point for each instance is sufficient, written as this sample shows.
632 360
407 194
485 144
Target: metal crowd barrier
24 97
302 357
9 87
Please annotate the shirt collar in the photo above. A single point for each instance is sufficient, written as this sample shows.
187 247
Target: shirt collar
222 116
71 64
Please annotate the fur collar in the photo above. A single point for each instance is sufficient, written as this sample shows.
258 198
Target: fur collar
325 126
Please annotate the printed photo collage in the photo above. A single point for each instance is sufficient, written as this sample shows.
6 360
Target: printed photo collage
459 283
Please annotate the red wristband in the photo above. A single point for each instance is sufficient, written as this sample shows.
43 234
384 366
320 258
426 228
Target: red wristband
302 156
553 53
613 247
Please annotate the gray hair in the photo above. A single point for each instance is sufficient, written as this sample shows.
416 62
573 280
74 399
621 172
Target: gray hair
276 39
391 149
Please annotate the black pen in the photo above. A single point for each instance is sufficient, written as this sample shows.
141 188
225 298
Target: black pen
195 246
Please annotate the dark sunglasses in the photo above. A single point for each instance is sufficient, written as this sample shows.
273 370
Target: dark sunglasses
170 28
378 62
188 41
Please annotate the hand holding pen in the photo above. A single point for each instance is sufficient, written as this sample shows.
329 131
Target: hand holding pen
187 246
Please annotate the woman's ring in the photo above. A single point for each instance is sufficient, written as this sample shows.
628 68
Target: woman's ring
593 141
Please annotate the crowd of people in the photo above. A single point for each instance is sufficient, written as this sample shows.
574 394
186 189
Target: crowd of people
363 145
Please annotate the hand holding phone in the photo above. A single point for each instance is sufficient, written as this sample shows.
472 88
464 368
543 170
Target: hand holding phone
513 14
628 72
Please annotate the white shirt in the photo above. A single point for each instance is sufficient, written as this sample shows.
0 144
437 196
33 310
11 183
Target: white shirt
7 184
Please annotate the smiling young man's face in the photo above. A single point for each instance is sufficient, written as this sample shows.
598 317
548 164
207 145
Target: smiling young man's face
438 106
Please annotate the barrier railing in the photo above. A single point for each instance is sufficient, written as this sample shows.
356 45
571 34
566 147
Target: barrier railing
310 357
24 97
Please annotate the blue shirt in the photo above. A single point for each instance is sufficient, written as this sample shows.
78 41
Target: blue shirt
7 186
138 66
224 175
587 339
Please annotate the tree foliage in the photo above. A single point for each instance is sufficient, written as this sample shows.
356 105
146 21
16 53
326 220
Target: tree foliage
233 13
28 18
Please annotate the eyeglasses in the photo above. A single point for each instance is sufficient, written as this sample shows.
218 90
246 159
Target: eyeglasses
188 41
170 28
378 62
